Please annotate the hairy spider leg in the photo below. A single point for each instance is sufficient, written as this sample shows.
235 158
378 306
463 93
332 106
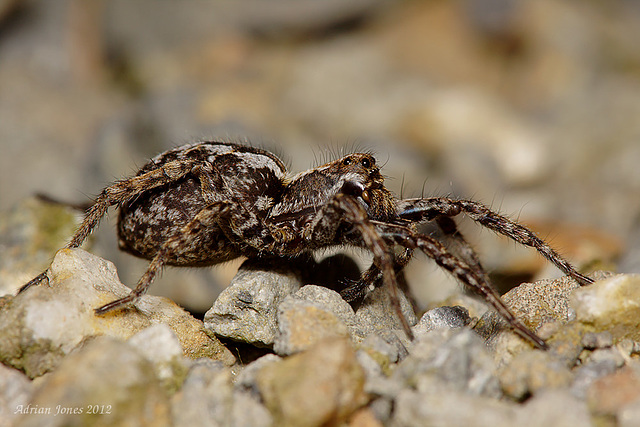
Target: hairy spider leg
465 273
116 194
428 209
355 291
342 209
216 213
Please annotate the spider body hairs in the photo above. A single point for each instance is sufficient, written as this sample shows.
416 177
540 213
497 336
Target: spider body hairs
205 203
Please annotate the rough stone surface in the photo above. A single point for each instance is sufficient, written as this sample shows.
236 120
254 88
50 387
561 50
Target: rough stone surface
106 382
442 317
247 310
45 323
328 392
534 304
376 313
302 324
330 301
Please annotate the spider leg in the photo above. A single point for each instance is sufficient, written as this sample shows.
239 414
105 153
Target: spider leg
116 194
344 208
465 273
456 243
214 214
429 209
355 292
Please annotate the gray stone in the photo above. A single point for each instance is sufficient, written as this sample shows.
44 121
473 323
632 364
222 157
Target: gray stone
329 300
106 382
206 397
210 397
246 311
42 325
246 380
442 317
377 314
160 345
378 382
457 359
303 323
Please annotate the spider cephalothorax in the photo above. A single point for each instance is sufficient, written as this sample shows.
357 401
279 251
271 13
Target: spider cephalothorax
209 202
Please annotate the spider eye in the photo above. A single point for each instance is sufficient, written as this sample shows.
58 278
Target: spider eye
366 163
347 161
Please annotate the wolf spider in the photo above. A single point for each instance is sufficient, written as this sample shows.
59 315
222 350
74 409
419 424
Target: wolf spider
205 203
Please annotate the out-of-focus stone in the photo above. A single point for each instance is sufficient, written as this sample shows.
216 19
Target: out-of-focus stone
457 358
611 393
209 398
610 305
557 408
531 372
15 392
29 233
247 310
106 382
320 386
593 340
45 323
450 408
302 324
160 345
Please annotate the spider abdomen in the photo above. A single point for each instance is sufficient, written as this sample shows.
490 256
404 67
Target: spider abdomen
248 178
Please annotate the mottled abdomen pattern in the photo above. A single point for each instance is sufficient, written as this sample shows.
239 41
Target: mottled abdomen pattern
248 177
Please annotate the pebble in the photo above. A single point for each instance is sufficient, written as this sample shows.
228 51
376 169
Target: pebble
376 313
302 324
105 382
455 358
610 302
247 309
41 326
442 317
160 345
330 390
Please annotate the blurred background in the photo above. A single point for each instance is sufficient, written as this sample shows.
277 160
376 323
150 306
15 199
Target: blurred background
530 106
